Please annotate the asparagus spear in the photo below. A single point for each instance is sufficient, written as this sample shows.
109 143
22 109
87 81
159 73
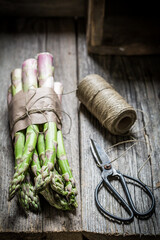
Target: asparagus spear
56 179
45 79
53 198
66 171
62 158
26 195
29 78
41 148
29 71
57 183
16 80
19 140
45 69
19 136
44 61
36 169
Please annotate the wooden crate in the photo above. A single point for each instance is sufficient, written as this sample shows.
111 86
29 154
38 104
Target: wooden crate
121 28
47 8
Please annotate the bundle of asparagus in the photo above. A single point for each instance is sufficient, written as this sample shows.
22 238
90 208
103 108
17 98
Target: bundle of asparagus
39 149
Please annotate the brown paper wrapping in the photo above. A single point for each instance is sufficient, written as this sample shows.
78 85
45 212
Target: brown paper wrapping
37 106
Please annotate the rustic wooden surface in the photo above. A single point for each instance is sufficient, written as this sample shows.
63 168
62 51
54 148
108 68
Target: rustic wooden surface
47 8
135 78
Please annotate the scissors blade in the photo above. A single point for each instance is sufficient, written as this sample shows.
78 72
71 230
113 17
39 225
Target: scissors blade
99 153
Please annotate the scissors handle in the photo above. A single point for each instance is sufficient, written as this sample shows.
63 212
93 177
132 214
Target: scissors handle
146 189
121 200
129 208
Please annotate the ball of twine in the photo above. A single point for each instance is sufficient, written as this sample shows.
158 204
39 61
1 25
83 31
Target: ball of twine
107 105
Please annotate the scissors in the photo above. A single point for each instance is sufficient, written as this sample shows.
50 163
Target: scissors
107 173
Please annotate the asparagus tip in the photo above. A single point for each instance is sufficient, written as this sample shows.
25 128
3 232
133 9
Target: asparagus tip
41 183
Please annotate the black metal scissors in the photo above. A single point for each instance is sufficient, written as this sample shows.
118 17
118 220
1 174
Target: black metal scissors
107 172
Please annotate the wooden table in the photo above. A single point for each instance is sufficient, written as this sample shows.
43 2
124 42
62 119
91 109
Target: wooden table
137 79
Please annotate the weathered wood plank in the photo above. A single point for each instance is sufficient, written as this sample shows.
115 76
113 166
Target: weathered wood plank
137 79
17 42
62 43
92 221
146 75
47 8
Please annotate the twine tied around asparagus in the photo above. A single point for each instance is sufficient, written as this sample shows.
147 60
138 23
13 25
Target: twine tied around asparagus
29 110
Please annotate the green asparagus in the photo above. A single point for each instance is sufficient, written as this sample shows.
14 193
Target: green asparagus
45 79
62 158
53 179
19 140
29 78
53 198
66 171
26 195
56 181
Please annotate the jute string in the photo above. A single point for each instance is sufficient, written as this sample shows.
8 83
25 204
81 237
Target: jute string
107 105
29 110
81 91
37 110
31 104
42 111
135 141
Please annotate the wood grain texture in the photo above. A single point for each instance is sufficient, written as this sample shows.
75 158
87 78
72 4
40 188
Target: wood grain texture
21 39
61 42
47 8
96 11
16 44
136 79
